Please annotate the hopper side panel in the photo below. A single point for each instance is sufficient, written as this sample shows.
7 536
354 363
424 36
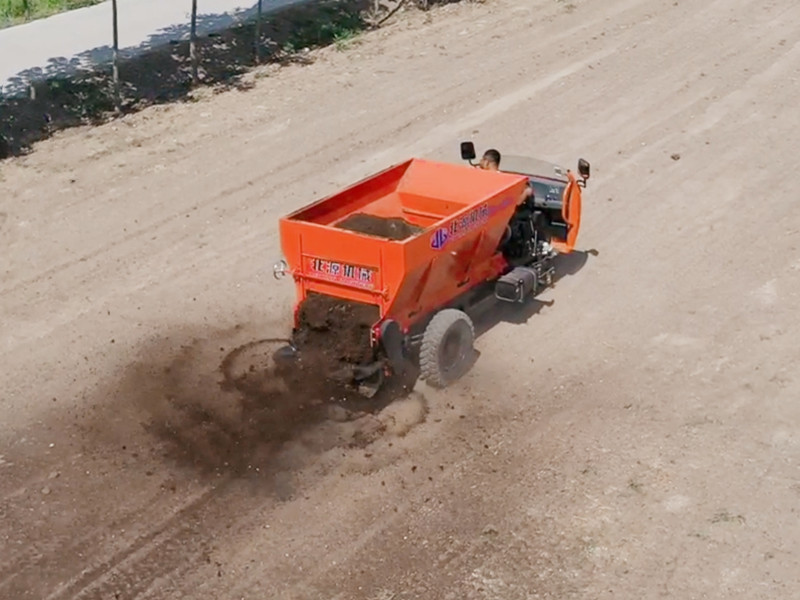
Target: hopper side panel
458 254
455 184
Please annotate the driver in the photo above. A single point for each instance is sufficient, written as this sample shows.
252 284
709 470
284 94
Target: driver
491 162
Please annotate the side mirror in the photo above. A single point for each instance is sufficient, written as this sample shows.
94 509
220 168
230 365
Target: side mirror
584 168
468 151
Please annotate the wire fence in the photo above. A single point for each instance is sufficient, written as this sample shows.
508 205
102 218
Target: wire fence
209 49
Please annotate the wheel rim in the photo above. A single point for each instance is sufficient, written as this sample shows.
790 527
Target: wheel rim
453 350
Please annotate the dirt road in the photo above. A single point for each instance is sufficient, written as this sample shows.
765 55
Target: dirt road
634 438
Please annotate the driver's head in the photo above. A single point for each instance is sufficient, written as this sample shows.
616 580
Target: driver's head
490 160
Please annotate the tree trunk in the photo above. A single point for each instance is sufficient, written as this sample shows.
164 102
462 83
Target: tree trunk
117 99
193 43
258 34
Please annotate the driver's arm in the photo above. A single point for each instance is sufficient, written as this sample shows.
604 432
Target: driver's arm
526 193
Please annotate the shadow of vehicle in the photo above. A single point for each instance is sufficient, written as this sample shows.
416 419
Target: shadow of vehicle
489 315
572 263
485 317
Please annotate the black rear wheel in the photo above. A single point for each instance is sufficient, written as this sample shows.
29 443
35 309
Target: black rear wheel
446 351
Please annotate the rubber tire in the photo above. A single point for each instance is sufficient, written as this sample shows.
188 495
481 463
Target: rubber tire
431 370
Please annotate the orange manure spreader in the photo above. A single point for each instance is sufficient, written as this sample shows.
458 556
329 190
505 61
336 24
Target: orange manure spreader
389 271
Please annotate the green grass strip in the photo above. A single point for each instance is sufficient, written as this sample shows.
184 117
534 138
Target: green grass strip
14 12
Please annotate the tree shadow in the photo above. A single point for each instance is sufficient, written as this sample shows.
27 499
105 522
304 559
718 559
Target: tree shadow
79 90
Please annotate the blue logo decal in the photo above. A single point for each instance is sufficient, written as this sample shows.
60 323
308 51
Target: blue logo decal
439 238
464 224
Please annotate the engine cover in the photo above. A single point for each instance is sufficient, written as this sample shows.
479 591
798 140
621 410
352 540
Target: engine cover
516 285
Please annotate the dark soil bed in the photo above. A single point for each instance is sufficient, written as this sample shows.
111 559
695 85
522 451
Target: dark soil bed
393 229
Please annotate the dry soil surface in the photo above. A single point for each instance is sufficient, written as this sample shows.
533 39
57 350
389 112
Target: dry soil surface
636 436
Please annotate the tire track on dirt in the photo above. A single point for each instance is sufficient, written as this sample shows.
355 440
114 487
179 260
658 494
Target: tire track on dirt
429 539
445 133
693 107
23 569
173 536
703 115
188 530
57 494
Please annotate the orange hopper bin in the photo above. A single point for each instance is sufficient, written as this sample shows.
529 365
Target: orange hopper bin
455 218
